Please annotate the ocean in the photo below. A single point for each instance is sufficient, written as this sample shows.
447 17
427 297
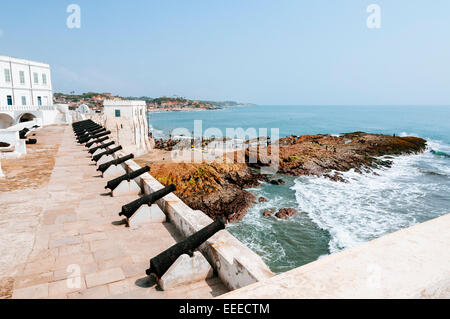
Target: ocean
335 216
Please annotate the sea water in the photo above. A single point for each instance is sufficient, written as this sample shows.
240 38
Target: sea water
334 216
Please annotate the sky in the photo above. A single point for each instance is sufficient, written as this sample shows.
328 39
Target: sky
282 52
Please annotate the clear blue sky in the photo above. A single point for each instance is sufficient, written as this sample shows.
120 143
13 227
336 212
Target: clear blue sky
266 52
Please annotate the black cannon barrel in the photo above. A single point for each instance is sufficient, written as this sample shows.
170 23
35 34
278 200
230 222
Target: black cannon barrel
82 132
100 147
129 209
86 139
112 184
108 152
87 134
103 167
92 133
86 126
82 124
89 128
161 263
100 140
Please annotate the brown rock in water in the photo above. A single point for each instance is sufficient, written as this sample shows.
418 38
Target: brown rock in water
269 212
286 213
277 182
262 199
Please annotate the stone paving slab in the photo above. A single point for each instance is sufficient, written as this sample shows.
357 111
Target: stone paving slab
81 247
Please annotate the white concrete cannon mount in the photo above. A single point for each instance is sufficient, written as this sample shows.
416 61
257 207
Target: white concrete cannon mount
186 270
147 214
105 159
114 171
126 188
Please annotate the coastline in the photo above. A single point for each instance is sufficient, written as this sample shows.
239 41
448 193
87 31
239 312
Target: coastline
381 201
195 109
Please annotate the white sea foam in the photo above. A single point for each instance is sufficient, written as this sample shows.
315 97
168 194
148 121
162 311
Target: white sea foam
257 226
371 205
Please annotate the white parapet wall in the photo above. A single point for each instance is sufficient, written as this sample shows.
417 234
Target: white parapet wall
236 264
410 263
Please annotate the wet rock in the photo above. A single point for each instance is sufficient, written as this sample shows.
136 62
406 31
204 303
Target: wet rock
318 155
269 212
262 199
277 182
337 177
286 213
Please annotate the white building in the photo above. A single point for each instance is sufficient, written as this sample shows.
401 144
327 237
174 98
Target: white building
127 120
24 83
26 101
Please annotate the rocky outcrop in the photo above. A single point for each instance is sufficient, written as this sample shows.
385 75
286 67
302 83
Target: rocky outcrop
218 189
320 155
286 213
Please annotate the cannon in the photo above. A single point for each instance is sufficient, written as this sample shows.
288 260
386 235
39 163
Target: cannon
108 152
129 209
112 184
92 133
100 140
82 124
31 141
103 146
23 133
86 139
91 127
88 127
161 263
85 132
103 167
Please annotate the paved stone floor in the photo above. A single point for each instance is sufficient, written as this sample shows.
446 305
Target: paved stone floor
71 224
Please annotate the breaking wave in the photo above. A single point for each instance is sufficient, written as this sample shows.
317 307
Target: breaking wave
416 188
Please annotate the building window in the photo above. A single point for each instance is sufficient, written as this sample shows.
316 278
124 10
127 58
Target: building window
9 98
36 78
7 75
24 100
39 100
22 77
117 113
44 78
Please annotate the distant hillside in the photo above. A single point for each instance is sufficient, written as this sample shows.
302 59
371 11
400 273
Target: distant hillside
164 103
